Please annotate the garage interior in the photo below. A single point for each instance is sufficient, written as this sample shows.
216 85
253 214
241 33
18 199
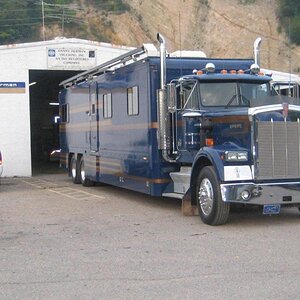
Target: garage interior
44 122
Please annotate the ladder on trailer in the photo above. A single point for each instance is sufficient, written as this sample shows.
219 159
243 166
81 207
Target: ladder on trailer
121 60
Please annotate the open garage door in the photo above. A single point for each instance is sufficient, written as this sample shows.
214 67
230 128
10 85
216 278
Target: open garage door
44 110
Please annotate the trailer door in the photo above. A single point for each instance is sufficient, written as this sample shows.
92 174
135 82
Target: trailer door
94 119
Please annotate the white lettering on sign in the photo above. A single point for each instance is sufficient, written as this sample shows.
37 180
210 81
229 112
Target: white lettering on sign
71 58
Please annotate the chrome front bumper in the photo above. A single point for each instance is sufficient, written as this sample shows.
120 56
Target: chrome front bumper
262 193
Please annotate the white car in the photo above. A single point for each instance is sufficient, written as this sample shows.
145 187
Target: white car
1 164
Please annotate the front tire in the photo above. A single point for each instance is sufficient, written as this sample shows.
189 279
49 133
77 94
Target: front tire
84 181
212 210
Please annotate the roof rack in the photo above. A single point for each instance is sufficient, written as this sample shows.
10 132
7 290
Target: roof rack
122 59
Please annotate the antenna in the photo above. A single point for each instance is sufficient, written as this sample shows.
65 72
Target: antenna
179 24
290 60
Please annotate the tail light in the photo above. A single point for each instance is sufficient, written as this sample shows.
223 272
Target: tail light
0 158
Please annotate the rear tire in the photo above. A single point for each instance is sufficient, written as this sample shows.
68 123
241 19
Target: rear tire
84 181
212 210
74 170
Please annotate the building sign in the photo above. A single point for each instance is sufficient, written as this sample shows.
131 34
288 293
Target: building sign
12 87
71 58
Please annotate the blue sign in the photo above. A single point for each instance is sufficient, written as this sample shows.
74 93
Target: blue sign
9 87
12 85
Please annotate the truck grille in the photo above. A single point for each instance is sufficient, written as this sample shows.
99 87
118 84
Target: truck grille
278 150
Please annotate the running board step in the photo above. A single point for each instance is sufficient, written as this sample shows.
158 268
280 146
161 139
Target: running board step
173 195
181 180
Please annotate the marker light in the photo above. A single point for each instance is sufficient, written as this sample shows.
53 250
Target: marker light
223 72
254 68
210 68
209 142
199 72
241 72
232 71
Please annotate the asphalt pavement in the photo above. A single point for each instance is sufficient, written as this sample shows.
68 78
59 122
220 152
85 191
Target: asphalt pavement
64 241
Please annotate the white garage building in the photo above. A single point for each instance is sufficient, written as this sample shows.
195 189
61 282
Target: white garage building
29 77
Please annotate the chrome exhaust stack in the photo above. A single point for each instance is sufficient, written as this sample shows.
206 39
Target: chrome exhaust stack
257 51
163 54
163 117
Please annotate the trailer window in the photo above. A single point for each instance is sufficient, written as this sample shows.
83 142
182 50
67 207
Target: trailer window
64 113
107 106
93 103
133 101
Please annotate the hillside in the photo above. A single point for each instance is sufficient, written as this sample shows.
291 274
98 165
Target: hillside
220 28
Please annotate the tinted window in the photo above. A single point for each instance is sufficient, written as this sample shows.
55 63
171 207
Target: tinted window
133 101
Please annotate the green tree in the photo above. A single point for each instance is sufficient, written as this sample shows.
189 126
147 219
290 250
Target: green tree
17 20
289 17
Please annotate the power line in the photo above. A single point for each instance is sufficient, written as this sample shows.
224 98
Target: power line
23 9
7 20
25 24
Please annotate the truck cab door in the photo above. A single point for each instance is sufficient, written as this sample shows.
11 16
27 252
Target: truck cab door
189 117
94 118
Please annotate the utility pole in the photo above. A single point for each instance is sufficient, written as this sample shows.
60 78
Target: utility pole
63 22
43 14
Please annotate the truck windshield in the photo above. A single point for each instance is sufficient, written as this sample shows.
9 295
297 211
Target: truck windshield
233 93
229 94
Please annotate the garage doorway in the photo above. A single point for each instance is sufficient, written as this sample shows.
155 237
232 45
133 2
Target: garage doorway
44 122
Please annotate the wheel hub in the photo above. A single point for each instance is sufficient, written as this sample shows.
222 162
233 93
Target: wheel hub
205 196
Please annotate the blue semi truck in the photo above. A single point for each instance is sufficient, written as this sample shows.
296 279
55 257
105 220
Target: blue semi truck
209 131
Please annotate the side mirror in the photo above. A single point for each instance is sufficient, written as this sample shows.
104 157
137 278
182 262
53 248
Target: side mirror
171 97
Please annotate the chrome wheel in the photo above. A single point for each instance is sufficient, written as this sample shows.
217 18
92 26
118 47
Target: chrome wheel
82 171
73 169
206 196
84 180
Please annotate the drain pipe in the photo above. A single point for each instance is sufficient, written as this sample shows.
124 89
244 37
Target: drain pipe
257 51
163 118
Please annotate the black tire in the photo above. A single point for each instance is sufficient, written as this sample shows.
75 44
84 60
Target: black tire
84 181
212 210
74 170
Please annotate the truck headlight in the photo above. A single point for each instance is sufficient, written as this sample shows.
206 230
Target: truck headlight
236 156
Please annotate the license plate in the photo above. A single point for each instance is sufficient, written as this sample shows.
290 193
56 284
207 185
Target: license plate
271 209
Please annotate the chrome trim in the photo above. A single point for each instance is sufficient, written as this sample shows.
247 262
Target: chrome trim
298 127
273 151
262 193
252 111
278 150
